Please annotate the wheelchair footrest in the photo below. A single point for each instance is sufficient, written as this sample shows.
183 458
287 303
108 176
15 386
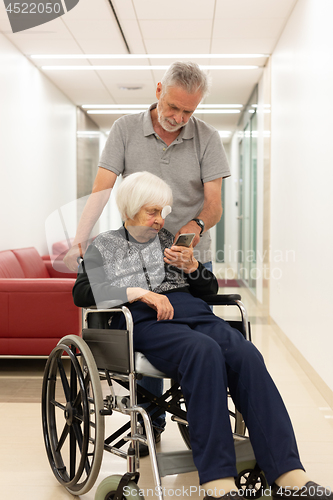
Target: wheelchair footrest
178 462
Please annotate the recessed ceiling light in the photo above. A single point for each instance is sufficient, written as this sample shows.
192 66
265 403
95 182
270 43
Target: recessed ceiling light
258 110
220 106
127 111
130 87
148 56
88 133
115 106
217 111
114 111
144 67
253 133
141 106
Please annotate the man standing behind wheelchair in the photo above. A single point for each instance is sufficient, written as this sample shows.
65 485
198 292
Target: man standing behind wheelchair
178 333
185 152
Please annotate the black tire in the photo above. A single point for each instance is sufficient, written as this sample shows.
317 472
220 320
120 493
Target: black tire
185 433
73 427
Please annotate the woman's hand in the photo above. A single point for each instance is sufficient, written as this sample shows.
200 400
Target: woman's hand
181 257
160 303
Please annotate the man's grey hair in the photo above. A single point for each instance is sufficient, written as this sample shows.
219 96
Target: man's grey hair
187 75
140 189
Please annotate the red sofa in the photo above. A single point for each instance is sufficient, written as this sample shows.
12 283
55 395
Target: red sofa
59 250
36 305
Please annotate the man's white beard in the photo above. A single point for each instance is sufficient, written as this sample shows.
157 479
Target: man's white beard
166 124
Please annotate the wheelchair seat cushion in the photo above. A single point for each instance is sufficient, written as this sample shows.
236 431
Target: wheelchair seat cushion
144 367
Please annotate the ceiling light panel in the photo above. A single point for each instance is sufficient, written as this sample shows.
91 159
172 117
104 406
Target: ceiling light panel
129 106
147 56
127 111
143 67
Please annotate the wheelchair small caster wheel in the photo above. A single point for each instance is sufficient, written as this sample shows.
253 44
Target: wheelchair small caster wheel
253 483
108 487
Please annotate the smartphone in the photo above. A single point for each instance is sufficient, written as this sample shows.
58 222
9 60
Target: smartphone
185 240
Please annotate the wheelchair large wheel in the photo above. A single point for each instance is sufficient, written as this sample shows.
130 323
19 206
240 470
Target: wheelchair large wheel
108 487
73 427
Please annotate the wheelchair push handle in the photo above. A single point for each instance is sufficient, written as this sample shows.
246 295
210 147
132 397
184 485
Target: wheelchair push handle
79 259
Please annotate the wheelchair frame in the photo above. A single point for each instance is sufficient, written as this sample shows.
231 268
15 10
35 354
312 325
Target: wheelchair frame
83 409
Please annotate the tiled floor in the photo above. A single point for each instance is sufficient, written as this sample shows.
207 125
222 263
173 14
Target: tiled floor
24 468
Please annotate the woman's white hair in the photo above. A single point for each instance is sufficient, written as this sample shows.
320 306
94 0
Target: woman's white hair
140 189
187 75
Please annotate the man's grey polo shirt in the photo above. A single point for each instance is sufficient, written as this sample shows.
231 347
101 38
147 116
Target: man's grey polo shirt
196 156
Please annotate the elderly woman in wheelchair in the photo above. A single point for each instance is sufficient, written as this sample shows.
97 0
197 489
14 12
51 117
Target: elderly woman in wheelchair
176 330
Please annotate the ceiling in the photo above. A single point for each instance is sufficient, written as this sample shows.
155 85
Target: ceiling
155 27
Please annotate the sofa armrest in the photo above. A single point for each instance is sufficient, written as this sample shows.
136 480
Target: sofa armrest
38 308
61 270
33 285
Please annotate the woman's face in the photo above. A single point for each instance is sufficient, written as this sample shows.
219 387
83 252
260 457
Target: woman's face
146 223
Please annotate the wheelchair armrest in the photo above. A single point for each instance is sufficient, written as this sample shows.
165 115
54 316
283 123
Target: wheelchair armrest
212 300
221 299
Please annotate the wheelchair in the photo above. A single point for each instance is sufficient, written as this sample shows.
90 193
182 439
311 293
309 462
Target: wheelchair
73 410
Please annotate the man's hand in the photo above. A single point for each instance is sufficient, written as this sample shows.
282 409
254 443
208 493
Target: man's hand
71 257
160 303
181 257
190 227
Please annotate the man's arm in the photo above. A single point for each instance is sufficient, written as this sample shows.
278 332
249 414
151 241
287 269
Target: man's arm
101 191
211 212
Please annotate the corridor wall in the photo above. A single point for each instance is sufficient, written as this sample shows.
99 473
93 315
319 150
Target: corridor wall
37 150
301 180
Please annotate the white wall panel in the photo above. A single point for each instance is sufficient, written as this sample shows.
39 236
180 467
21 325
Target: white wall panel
37 153
302 176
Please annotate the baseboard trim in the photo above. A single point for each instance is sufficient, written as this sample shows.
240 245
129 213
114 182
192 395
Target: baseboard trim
315 378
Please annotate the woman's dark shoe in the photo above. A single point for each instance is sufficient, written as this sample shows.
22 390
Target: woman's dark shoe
143 448
311 491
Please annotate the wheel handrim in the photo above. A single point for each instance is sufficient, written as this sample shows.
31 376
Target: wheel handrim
75 426
73 429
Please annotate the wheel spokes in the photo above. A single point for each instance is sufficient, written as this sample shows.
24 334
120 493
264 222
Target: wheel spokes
64 380
63 437
57 404
72 453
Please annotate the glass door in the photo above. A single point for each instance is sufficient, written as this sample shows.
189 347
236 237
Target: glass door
247 217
